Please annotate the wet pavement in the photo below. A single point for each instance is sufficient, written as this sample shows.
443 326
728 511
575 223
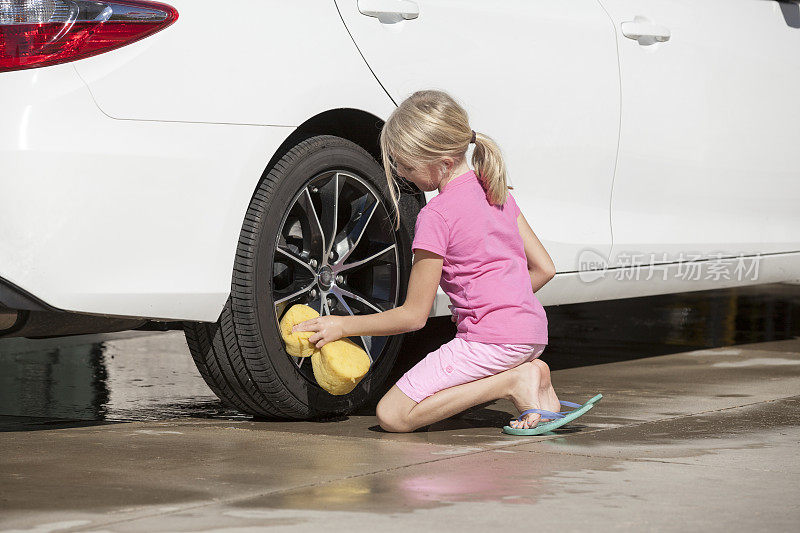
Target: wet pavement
699 427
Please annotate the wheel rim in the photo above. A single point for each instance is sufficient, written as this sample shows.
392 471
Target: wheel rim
336 252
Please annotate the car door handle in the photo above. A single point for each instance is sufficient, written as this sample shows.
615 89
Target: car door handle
640 27
388 8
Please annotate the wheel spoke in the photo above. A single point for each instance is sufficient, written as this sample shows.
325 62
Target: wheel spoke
363 210
354 296
314 224
301 291
339 267
295 257
366 344
329 193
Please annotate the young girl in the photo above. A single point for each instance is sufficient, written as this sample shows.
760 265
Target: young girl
473 239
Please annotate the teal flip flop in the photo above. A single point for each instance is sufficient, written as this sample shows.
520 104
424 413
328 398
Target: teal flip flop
560 418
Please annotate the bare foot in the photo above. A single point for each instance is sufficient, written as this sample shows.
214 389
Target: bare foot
533 390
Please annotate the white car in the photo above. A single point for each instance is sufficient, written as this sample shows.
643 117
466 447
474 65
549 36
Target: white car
206 165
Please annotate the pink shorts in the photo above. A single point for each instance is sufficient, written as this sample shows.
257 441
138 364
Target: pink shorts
461 361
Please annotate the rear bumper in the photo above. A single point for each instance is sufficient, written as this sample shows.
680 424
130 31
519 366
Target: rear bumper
118 217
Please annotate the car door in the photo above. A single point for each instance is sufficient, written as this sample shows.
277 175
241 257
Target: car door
710 128
541 78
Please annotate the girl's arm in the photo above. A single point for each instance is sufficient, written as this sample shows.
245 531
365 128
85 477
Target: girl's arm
540 265
413 314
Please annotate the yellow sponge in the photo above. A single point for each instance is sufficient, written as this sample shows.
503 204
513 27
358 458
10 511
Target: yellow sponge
297 343
338 366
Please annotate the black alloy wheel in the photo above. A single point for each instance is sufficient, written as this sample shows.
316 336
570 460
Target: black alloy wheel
319 232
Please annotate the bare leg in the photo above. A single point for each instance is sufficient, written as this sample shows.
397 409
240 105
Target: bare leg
521 384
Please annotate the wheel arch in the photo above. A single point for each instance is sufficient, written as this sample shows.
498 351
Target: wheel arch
360 127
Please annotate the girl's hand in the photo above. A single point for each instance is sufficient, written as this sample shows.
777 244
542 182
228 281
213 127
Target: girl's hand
328 329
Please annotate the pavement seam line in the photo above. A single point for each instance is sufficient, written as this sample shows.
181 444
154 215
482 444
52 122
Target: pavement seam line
273 492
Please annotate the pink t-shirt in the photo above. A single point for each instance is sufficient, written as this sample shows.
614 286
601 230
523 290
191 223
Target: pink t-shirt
485 271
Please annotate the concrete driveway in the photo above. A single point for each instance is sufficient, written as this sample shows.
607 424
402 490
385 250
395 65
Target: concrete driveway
698 430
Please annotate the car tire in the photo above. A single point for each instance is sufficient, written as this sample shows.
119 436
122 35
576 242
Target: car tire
286 229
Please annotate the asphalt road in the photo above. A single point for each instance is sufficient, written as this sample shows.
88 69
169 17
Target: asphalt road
698 429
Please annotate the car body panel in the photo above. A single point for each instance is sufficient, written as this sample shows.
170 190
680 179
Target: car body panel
708 146
120 217
262 62
541 78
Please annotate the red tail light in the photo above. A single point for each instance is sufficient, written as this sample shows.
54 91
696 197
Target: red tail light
36 33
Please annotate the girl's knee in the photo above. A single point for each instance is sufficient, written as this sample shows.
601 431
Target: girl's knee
390 416
389 421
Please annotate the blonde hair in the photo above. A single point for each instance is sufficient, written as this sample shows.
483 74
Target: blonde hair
430 125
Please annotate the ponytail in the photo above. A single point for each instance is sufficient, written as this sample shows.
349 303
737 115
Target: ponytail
490 168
